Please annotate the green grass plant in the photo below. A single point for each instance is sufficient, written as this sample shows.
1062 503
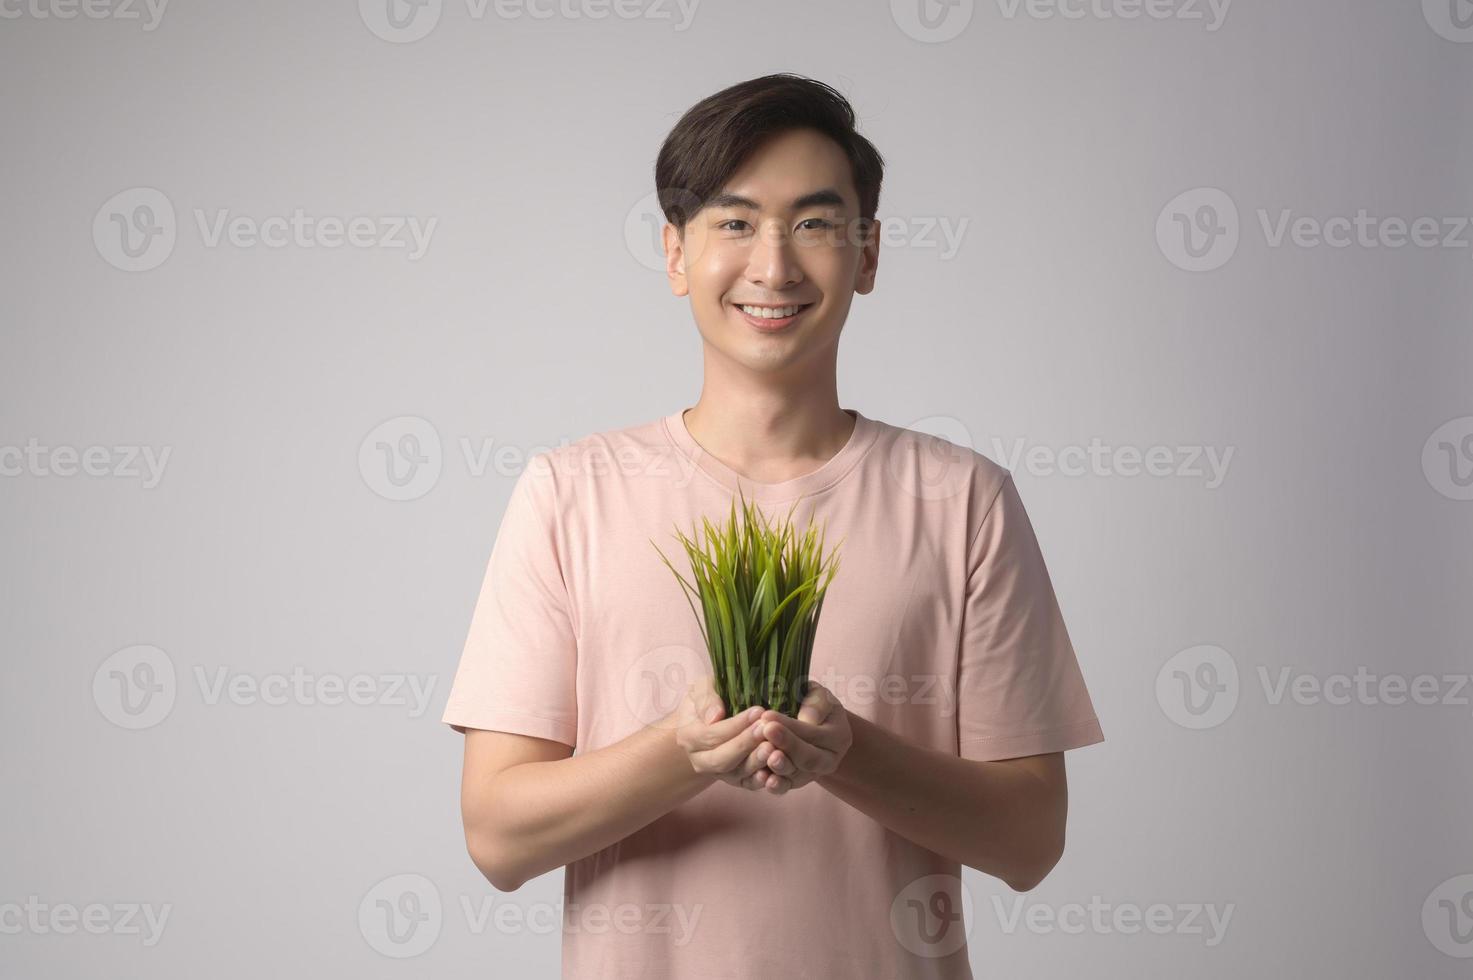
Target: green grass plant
761 588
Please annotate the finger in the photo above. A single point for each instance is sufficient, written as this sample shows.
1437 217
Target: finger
692 706
721 732
810 721
817 704
745 780
758 758
730 754
755 761
708 705
695 735
736 778
798 779
783 766
810 733
778 785
799 752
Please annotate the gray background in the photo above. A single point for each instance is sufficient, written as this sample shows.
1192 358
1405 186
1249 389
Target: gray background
1335 541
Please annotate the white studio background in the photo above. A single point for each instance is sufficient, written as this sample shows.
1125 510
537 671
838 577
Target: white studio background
1198 273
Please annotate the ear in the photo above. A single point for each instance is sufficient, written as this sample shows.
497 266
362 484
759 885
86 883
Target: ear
675 259
869 258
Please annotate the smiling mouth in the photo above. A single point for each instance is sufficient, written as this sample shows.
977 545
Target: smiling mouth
767 318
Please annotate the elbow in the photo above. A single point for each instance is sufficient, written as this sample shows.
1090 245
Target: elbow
490 860
491 847
1030 877
1040 842
1028 880
1026 884
503 882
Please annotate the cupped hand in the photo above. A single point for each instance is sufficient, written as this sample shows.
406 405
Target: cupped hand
717 746
795 751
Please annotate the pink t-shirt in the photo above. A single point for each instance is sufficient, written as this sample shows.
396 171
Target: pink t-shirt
941 626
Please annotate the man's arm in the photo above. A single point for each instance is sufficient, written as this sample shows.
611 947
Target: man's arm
1004 818
529 805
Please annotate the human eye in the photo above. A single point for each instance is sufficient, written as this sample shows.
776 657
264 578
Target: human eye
723 226
823 223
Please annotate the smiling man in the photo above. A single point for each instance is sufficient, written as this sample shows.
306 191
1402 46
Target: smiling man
945 687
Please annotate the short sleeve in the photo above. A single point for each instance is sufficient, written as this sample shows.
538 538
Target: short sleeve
517 670
1019 688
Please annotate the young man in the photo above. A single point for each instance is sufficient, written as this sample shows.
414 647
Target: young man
945 685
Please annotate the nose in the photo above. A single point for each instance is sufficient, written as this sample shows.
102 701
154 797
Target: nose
771 262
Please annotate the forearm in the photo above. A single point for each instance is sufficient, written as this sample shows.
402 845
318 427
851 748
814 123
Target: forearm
991 816
548 814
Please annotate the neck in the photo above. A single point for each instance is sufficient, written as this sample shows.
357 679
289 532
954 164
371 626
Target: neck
768 429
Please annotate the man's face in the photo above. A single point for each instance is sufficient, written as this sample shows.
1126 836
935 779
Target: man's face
784 232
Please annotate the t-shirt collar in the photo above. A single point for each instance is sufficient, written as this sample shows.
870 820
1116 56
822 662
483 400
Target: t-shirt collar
829 473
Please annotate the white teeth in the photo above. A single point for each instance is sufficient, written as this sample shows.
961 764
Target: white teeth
770 312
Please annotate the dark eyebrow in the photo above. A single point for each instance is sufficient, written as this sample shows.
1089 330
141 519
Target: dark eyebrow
813 199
